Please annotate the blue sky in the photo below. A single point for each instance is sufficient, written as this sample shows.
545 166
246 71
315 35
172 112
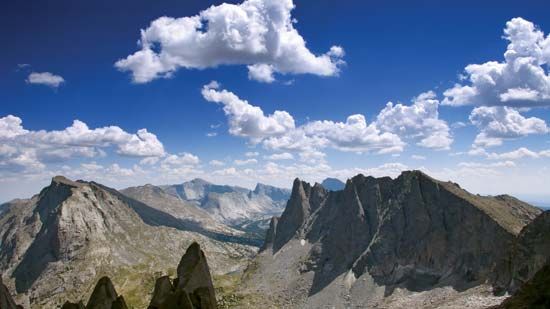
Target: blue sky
392 51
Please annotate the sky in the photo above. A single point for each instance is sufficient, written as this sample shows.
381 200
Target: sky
132 92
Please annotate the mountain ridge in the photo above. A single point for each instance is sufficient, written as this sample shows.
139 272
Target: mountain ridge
61 240
380 235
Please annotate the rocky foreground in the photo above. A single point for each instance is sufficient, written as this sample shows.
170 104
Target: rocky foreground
191 289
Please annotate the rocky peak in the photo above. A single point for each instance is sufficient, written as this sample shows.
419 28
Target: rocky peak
192 288
413 231
296 212
271 234
62 180
105 296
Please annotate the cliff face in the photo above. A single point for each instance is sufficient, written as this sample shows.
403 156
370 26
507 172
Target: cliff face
530 252
413 233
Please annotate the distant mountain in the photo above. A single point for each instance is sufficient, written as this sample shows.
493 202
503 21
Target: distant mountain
61 241
392 243
159 199
230 204
333 184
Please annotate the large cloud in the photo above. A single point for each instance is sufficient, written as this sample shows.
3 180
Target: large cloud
24 149
520 80
497 123
257 33
419 121
279 132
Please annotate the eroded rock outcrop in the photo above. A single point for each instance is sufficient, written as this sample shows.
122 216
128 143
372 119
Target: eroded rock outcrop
193 287
105 296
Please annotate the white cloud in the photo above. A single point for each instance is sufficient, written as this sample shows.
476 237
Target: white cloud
256 33
519 153
497 123
45 78
28 149
458 125
278 131
183 159
419 121
251 154
211 134
245 162
261 72
216 163
247 120
487 165
521 80
281 156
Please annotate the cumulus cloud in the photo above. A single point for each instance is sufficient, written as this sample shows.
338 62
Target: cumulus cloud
278 131
245 119
256 33
24 148
45 78
251 154
497 123
487 165
520 80
519 153
178 160
280 156
419 121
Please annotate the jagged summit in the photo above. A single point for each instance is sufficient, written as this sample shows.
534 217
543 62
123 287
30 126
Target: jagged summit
193 286
412 232
105 296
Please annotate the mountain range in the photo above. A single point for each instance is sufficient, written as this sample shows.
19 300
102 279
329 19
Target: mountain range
56 244
411 241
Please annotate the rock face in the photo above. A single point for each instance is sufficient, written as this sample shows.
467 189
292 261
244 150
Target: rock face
6 301
356 246
333 184
271 234
531 252
60 242
105 296
533 294
192 288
